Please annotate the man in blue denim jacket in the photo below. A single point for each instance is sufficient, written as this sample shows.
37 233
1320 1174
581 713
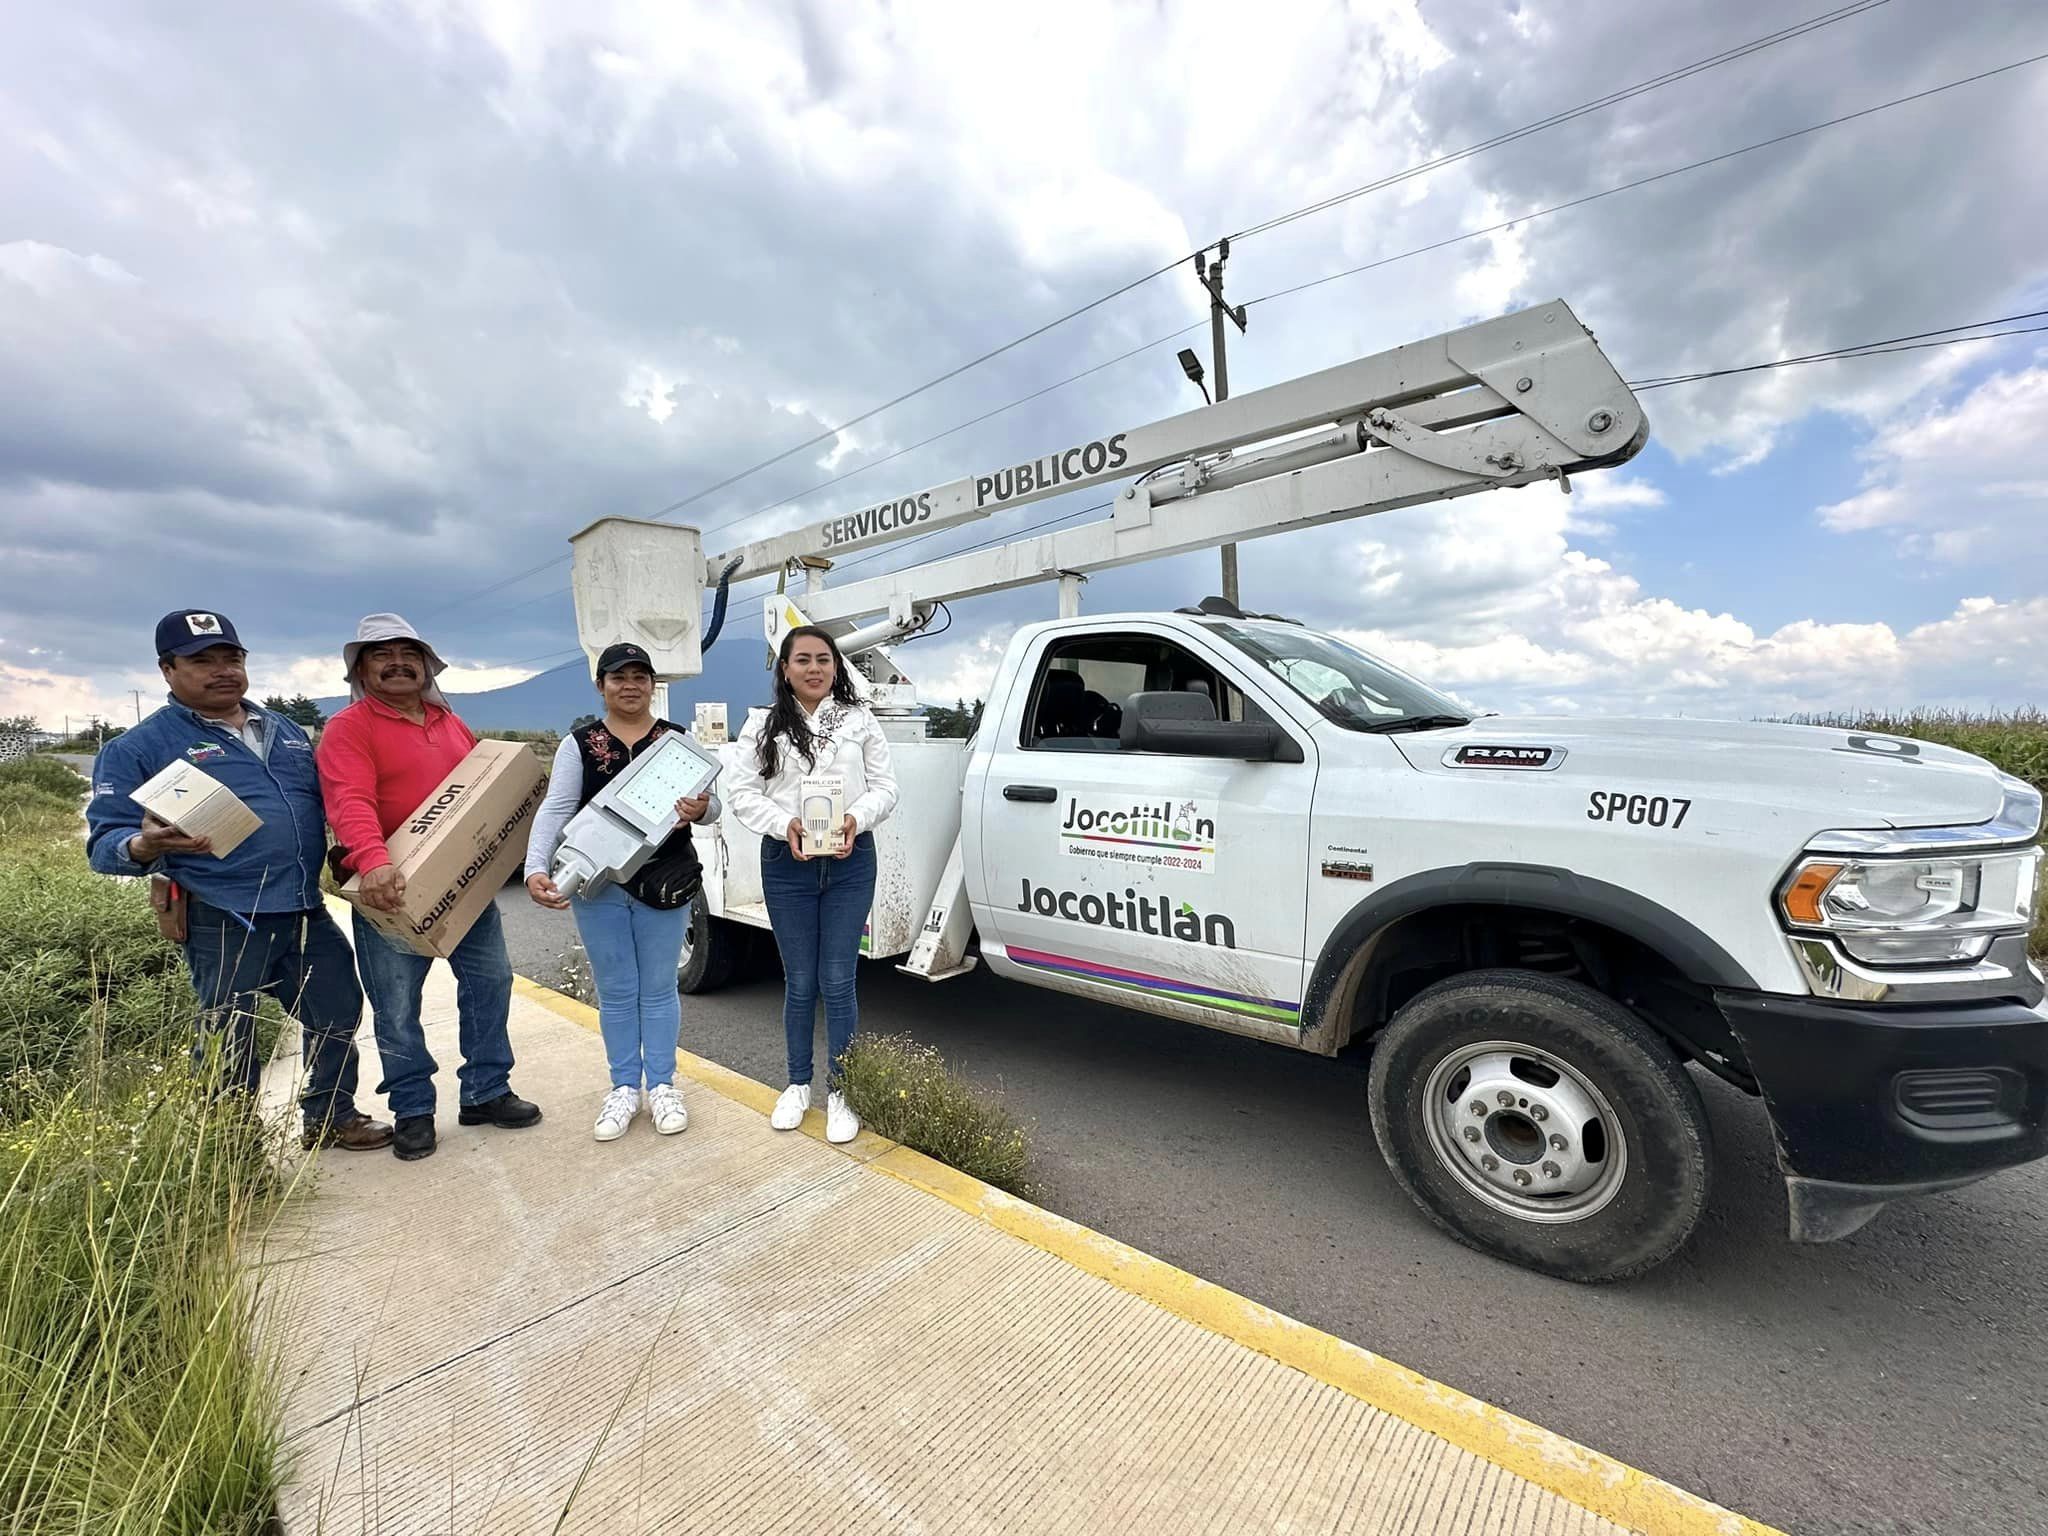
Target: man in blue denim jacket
255 922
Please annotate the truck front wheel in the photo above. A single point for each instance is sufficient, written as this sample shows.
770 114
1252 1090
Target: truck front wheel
1539 1121
711 948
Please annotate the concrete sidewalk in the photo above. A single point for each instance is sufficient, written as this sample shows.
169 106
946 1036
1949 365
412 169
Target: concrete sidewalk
735 1330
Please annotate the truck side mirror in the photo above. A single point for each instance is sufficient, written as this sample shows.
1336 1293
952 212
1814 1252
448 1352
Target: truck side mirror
1185 725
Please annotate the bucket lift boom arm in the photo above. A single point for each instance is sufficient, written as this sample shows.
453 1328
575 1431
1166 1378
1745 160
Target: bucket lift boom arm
1506 402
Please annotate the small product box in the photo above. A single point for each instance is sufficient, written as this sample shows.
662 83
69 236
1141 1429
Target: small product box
466 840
822 805
199 805
709 727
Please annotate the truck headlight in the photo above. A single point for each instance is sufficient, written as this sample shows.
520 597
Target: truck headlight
1934 910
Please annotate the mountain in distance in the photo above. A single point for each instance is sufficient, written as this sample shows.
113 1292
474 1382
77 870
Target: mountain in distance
735 671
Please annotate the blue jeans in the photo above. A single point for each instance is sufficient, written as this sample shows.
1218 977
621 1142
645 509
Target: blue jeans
818 908
299 958
634 950
393 977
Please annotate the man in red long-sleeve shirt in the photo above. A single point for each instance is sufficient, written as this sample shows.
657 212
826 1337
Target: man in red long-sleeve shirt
378 759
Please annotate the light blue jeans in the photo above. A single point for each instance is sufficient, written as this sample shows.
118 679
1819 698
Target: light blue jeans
634 950
393 978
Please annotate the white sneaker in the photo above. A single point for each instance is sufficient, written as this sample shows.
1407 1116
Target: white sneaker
666 1105
617 1112
841 1123
789 1109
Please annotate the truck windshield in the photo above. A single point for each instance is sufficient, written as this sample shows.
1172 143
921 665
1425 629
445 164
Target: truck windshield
1345 684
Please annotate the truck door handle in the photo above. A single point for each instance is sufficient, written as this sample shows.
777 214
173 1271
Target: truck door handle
1041 793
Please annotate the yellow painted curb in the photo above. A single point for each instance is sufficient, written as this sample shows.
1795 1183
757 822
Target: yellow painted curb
1590 1479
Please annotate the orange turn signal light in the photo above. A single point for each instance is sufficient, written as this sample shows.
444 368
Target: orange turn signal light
1802 898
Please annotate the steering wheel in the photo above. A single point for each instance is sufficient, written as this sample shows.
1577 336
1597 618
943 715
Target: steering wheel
1349 700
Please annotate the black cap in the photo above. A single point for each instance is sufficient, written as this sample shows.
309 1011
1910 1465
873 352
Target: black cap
191 630
624 654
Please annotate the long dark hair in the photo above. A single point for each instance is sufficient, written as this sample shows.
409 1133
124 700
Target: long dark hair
786 715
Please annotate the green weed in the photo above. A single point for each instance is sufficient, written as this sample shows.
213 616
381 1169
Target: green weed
903 1090
134 1395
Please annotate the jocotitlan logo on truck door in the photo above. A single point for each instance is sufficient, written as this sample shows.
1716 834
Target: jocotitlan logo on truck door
1168 833
1160 916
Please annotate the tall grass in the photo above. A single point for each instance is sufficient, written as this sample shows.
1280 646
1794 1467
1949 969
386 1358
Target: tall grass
134 1397
2016 741
902 1089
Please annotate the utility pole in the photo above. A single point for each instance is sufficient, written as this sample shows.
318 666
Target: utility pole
138 704
1211 277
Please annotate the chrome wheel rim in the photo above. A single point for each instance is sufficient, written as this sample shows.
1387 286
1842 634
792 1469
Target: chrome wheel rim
1525 1132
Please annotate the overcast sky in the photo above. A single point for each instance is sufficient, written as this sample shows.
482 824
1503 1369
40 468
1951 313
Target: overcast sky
318 308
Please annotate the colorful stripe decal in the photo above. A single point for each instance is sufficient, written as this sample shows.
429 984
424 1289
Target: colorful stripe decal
1139 981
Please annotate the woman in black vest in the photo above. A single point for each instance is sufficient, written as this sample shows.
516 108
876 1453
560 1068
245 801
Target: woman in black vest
633 934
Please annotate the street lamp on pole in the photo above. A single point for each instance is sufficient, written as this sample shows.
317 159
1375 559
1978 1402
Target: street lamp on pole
1210 275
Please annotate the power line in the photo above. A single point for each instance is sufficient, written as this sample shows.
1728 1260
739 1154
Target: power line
852 421
1840 355
1755 45
1022 400
1437 245
1914 342
1121 357
1770 40
1911 342
1421 250
1656 381
1644 181
1597 104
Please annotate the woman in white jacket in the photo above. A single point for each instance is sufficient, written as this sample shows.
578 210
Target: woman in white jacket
816 905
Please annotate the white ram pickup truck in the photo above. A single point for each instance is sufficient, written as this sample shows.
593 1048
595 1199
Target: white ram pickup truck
1538 927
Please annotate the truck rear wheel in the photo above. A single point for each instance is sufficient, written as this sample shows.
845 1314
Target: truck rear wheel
711 948
1539 1121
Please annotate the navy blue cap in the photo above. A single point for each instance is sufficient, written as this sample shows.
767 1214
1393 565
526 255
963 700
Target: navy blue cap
191 630
623 654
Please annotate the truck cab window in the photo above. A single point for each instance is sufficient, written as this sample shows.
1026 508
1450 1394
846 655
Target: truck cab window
1344 684
1083 684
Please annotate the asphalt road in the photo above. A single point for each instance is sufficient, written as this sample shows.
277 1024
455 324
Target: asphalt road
1893 1382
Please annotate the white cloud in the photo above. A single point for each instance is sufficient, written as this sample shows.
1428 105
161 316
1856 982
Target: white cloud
1957 480
56 699
1586 637
1616 489
321 677
580 260
948 669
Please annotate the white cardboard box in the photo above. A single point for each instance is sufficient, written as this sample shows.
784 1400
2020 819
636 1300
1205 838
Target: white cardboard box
821 804
198 805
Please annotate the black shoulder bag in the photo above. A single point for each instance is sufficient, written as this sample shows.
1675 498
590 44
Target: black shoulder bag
672 877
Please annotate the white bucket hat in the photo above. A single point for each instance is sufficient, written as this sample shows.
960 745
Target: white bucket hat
377 628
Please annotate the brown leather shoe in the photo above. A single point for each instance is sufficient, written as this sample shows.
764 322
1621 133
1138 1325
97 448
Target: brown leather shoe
358 1133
